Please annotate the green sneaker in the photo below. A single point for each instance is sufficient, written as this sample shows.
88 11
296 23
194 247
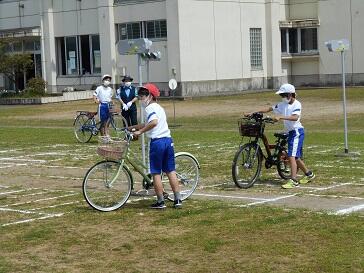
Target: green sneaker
307 178
290 184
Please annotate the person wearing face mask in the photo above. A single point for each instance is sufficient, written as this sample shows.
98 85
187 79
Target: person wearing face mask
161 154
127 95
289 110
103 97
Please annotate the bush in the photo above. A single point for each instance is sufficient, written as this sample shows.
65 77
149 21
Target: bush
35 87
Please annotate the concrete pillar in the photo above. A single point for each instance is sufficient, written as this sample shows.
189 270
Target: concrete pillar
107 37
273 41
48 44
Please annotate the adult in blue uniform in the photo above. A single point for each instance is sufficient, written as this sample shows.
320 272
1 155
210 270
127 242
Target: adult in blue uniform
127 95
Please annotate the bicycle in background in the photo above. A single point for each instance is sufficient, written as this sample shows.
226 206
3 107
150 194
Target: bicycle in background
85 125
108 184
248 160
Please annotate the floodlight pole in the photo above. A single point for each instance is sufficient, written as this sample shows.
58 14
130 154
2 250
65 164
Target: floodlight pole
344 101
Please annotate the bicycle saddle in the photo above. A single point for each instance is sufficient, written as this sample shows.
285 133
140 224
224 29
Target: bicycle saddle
87 113
281 135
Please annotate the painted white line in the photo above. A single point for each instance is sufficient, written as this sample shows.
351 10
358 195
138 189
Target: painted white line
335 196
4 187
326 188
21 159
55 206
11 192
268 200
22 211
213 186
230 196
349 210
33 219
40 200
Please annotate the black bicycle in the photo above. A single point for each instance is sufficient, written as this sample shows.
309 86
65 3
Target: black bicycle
85 125
248 160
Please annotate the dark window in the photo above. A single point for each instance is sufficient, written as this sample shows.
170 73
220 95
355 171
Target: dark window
308 39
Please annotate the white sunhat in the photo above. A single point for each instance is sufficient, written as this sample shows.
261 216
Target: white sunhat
106 76
286 88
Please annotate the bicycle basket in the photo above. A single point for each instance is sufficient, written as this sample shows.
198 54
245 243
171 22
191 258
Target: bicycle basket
112 148
250 128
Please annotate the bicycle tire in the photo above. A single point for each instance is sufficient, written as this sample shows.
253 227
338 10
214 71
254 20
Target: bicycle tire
97 190
188 176
81 128
246 166
118 124
283 166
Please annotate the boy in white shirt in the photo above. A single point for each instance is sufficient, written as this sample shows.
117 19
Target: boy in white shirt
103 97
161 155
289 110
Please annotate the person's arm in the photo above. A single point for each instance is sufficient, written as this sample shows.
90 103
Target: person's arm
149 126
290 118
263 110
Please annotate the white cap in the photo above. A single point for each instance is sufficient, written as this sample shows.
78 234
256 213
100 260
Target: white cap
106 76
286 88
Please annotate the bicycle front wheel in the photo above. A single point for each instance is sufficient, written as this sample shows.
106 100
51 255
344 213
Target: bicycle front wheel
82 128
107 186
188 175
118 124
247 165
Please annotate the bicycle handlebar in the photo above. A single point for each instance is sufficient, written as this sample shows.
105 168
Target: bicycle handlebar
258 117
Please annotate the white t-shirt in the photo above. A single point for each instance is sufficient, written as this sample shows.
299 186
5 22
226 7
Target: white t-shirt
155 111
286 109
103 94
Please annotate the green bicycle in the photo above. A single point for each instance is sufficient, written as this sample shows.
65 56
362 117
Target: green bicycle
108 184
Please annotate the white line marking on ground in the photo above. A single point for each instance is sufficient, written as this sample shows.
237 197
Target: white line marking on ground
22 211
55 206
230 196
268 200
11 192
33 219
335 196
349 210
40 200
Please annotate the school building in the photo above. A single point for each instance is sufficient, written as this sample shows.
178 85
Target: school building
209 46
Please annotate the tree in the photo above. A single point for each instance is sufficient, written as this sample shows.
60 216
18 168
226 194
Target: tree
12 63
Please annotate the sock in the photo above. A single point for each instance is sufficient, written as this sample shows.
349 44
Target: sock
160 198
177 196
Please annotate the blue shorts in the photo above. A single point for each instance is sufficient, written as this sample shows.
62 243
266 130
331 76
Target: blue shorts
161 155
295 142
104 112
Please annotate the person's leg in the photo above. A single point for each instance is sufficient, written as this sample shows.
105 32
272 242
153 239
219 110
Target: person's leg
155 163
134 117
293 153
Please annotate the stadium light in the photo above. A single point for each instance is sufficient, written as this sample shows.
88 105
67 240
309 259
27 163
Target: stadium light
341 46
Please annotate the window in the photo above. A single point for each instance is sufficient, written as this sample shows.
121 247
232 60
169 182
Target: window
78 55
299 40
130 31
156 29
256 48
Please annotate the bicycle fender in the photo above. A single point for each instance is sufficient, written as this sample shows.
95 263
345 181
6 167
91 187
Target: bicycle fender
190 155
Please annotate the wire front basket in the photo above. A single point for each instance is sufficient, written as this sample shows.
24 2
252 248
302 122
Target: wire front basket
250 128
112 148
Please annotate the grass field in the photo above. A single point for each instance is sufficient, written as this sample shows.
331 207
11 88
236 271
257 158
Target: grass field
41 171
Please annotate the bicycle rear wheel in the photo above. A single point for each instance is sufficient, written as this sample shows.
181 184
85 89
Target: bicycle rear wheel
106 186
247 165
283 166
82 128
188 175
118 124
